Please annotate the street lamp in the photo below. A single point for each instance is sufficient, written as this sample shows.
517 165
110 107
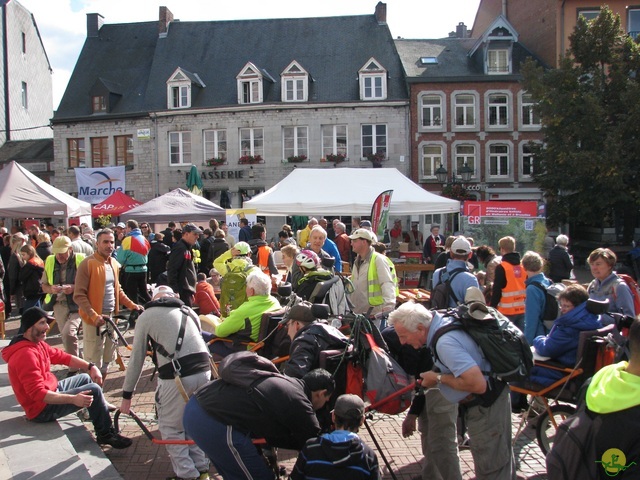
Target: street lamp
465 172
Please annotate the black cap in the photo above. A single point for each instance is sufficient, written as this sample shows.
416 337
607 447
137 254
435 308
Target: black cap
190 227
32 316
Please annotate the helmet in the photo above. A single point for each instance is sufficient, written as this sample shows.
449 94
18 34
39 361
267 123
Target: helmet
307 259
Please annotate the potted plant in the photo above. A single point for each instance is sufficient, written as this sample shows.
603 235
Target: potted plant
296 158
249 159
216 161
376 158
336 157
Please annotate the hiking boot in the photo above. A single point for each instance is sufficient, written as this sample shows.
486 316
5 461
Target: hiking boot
114 439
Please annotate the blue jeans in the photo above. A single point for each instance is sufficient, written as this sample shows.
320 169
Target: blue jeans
98 411
230 450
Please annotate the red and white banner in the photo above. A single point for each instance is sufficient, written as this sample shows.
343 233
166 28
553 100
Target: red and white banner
380 213
477 210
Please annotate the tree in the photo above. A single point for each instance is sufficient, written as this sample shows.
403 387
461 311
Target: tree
588 167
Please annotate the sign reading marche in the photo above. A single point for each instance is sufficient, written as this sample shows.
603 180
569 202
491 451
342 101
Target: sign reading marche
96 184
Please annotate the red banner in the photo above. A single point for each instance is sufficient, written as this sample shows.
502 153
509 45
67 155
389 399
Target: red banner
501 209
380 213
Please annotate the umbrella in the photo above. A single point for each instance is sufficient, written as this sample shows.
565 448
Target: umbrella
194 182
115 204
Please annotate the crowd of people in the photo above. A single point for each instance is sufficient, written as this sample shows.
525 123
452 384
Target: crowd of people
86 277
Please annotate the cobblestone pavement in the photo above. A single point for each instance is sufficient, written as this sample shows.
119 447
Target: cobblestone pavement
145 460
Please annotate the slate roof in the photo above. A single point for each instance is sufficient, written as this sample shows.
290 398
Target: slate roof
330 49
25 151
454 63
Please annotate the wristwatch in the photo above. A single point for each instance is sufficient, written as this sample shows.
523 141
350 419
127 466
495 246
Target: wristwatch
90 366
439 379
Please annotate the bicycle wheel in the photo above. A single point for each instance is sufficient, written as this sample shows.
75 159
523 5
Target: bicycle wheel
546 428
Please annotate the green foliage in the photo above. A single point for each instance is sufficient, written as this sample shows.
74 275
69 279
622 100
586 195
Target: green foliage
590 111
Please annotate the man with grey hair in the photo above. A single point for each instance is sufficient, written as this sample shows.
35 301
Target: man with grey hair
437 420
243 323
460 364
560 262
342 241
174 330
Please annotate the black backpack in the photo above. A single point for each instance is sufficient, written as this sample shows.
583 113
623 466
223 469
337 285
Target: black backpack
501 342
442 292
246 368
551 305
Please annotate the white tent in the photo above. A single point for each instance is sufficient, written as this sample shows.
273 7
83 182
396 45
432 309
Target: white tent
176 205
22 194
347 191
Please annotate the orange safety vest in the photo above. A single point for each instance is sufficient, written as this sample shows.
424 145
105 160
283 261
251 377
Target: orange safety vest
262 258
514 294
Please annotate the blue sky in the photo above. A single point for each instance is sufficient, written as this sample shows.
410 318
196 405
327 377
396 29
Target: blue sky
62 23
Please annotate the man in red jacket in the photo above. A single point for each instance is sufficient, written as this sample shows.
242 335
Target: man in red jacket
41 395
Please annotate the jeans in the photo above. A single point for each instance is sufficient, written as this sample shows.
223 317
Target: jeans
98 411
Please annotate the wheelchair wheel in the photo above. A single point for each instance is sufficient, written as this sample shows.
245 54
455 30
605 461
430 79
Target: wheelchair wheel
547 426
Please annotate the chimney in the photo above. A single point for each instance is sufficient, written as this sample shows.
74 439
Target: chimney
165 18
461 30
381 13
94 22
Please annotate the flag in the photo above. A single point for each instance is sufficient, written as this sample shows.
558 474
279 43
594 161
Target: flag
380 213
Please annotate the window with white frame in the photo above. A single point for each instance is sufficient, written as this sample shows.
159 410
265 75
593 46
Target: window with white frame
431 111
499 160
530 117
498 61
498 106
374 139
295 142
180 96
252 142
295 82
528 158
215 145
178 90
334 140
250 84
179 148
432 158
465 108
465 154
373 81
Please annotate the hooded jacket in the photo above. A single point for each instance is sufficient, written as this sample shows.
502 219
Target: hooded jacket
133 252
31 277
336 456
29 365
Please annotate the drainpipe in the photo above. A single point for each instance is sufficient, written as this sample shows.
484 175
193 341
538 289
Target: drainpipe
562 29
504 8
154 117
5 65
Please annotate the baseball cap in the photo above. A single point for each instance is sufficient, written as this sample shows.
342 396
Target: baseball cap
32 316
61 244
242 247
365 223
121 225
162 289
190 227
461 246
397 220
362 233
349 406
302 313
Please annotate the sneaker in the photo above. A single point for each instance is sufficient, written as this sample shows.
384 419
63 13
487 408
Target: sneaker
111 407
114 439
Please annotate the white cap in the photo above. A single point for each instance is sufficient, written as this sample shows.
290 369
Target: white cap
461 246
362 233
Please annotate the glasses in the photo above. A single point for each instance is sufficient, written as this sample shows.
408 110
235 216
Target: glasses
144 226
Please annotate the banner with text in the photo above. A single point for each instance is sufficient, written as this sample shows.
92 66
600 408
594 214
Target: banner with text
380 213
234 216
96 184
477 210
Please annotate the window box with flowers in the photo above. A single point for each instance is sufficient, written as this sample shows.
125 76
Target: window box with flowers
250 159
376 158
297 158
212 162
335 157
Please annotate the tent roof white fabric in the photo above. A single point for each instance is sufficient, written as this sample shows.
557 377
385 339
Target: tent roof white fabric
22 194
347 191
176 205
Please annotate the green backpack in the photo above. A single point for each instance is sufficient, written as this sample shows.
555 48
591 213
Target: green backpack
233 289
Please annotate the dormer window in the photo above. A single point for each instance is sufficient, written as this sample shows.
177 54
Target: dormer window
295 83
373 81
498 61
99 104
250 84
180 88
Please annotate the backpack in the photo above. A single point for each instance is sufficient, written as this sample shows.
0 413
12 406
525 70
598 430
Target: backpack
502 343
573 453
246 368
551 305
233 289
635 291
441 293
